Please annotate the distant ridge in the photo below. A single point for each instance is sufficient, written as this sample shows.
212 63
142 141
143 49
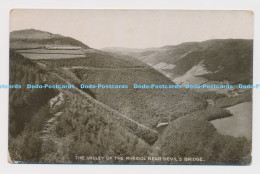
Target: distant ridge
31 38
32 34
223 59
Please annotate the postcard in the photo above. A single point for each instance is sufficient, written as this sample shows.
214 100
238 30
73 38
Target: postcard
150 87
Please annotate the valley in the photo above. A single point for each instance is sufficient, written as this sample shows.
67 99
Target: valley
124 122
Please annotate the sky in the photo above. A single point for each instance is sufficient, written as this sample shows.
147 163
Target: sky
136 28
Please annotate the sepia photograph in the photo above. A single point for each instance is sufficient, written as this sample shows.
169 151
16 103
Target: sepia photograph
128 86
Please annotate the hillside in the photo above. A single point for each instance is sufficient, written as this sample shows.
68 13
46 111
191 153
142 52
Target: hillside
212 60
35 126
146 106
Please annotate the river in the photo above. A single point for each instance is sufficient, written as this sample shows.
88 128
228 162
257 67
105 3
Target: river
240 124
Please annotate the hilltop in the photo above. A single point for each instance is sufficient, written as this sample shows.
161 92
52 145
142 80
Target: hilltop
32 34
31 38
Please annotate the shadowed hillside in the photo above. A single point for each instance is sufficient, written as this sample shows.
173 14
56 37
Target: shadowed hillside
82 118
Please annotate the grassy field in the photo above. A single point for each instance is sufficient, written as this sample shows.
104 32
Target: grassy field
51 56
50 51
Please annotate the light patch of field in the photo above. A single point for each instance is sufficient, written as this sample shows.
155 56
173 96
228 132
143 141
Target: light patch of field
197 70
190 76
41 64
50 56
191 80
168 74
51 51
160 65
169 66
143 57
61 47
